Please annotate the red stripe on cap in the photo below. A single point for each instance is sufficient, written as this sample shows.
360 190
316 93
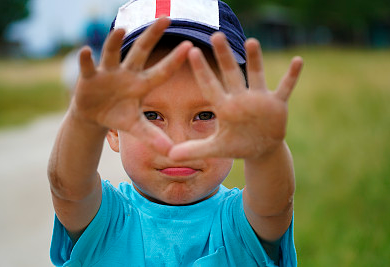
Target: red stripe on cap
163 7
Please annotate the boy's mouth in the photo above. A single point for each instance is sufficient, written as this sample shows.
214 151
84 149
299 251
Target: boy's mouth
178 171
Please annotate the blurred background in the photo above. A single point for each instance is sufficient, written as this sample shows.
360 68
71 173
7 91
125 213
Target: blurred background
338 131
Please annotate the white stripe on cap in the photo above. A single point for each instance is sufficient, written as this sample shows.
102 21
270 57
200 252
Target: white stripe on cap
137 13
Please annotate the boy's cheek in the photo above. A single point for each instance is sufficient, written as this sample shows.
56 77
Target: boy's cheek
205 128
221 166
158 123
134 150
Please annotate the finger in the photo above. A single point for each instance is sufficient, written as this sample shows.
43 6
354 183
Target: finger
205 77
231 72
111 49
255 70
195 149
161 71
152 135
87 67
289 80
143 46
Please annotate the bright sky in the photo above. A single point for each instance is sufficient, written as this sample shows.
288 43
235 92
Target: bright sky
52 22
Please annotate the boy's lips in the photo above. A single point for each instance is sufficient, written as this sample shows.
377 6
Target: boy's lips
178 171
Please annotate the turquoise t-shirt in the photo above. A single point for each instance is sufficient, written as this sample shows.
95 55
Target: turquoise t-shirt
130 230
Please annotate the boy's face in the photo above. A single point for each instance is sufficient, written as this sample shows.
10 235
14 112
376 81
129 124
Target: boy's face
180 110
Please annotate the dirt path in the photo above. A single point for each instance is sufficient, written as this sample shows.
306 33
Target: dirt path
27 215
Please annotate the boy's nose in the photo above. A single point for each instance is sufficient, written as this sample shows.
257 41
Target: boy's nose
178 132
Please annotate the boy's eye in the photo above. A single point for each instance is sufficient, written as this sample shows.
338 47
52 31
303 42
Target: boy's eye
206 115
151 115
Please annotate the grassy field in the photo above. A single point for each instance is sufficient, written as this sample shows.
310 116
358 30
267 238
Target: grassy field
29 89
339 131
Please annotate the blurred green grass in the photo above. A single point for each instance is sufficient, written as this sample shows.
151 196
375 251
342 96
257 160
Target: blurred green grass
338 132
29 89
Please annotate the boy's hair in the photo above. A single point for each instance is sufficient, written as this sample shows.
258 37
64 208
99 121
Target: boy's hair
194 20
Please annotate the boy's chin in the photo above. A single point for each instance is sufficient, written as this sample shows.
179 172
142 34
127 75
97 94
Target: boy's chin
178 194
169 200
183 200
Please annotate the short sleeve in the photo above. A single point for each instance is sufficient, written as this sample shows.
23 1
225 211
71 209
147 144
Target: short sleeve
97 238
245 236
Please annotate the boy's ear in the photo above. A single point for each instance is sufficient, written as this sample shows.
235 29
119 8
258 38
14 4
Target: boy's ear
113 139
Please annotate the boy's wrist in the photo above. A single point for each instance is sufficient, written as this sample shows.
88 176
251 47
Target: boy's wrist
275 151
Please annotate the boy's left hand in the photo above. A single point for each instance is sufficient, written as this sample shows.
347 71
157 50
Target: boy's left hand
251 122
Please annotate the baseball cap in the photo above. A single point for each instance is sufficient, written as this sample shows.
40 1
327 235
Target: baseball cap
195 20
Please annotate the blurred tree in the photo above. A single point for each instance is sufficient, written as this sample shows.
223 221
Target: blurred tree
242 6
10 11
342 13
332 12
349 20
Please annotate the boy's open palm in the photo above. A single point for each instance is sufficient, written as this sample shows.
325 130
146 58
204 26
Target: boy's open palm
251 122
110 95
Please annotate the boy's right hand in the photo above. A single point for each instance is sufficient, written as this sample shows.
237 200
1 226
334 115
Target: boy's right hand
110 95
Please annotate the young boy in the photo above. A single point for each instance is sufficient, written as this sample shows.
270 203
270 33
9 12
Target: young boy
178 112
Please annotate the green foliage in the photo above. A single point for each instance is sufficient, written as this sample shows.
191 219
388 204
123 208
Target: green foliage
10 11
345 14
338 133
239 6
340 16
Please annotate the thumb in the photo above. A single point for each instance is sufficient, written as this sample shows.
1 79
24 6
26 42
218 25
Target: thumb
194 149
153 136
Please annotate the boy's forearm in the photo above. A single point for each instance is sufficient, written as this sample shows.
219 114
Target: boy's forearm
75 157
270 182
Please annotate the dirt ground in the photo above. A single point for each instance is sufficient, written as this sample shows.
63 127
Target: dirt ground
27 215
